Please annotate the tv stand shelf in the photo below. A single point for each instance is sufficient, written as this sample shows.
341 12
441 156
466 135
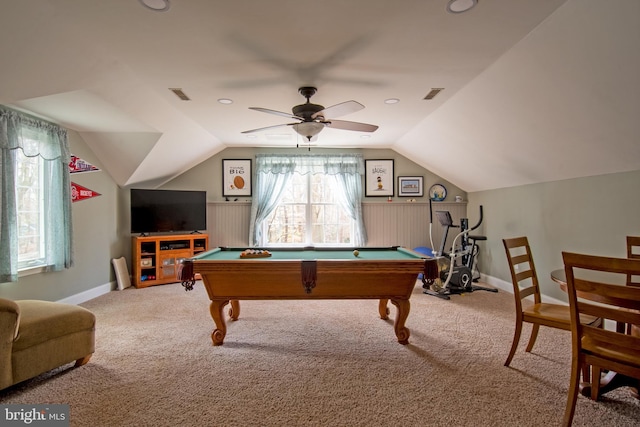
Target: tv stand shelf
155 259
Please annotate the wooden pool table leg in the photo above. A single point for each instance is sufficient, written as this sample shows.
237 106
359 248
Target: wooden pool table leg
234 311
383 309
216 308
401 316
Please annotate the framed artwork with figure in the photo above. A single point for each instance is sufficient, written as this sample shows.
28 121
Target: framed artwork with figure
378 178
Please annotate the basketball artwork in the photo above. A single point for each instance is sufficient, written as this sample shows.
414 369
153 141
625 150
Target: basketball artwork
236 177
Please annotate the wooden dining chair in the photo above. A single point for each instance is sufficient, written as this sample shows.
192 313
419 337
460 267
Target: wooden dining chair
525 284
598 347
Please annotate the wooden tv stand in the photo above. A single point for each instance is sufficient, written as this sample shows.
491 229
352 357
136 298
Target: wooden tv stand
155 259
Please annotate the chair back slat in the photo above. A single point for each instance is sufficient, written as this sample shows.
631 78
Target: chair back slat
521 276
521 259
606 293
609 312
627 341
633 252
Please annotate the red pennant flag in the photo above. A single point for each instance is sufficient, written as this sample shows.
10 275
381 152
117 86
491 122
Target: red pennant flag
77 165
78 192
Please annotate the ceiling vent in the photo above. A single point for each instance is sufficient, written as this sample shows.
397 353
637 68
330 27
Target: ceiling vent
179 93
434 92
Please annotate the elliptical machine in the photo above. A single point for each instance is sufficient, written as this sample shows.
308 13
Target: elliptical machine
455 277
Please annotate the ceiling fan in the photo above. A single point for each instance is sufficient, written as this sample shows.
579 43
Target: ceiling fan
312 118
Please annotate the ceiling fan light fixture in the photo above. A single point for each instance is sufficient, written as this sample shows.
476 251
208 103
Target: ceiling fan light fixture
156 5
308 129
461 6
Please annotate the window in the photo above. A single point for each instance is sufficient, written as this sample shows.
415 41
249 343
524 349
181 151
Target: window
309 214
29 205
308 200
35 214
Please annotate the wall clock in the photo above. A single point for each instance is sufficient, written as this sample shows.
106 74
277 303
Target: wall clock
437 192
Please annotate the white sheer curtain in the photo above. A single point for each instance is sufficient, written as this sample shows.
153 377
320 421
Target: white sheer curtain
52 146
273 172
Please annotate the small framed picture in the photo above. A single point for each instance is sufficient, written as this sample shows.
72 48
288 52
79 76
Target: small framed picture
410 186
378 178
146 262
236 177
437 192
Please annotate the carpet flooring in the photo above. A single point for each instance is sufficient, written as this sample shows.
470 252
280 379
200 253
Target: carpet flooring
316 363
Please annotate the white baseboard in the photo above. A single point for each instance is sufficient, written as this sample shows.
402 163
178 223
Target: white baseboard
508 287
89 294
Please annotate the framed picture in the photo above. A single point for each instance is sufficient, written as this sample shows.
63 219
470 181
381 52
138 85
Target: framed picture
410 186
236 177
378 178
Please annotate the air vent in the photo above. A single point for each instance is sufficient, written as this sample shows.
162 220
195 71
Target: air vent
434 92
179 93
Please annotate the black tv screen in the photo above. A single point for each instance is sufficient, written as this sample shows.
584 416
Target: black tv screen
155 211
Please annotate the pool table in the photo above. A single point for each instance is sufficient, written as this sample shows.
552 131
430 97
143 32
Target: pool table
386 274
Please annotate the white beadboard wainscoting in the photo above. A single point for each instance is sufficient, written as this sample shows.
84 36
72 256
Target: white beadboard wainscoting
388 224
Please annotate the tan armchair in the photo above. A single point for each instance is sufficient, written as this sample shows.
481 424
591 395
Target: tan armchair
37 336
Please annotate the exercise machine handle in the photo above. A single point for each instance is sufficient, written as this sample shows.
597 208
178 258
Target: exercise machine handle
479 221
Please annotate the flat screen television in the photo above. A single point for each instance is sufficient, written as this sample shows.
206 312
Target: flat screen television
164 211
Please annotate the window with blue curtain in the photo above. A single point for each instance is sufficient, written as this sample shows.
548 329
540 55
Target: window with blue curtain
35 218
278 176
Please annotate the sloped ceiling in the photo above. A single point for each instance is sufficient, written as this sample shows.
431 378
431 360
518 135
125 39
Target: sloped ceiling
534 91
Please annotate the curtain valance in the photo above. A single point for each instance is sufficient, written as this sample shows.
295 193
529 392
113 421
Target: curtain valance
34 136
330 164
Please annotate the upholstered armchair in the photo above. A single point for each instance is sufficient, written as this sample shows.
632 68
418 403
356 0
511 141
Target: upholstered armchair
37 336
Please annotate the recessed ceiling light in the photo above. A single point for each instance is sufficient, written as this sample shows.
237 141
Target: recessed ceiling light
225 101
365 136
251 136
460 6
156 5
391 101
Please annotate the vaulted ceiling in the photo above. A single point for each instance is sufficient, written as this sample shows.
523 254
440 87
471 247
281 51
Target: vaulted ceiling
534 91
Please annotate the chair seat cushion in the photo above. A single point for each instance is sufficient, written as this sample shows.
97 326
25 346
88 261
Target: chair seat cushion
556 313
44 320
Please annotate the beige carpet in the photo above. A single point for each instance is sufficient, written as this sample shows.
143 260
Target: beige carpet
316 363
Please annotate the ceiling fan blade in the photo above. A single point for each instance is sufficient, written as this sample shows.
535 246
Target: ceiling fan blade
345 125
268 127
339 109
277 113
